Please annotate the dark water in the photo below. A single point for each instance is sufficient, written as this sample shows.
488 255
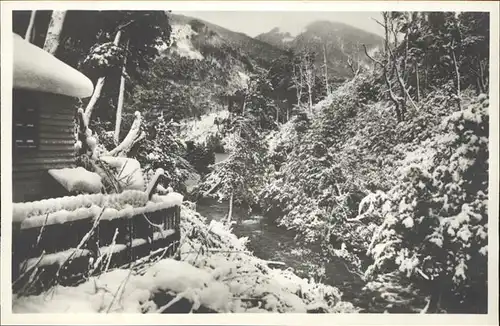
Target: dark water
269 242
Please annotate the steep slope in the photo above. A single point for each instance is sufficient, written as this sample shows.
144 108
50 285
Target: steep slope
203 64
262 52
276 37
340 40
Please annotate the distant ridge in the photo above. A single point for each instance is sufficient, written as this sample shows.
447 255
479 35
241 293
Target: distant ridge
259 50
341 40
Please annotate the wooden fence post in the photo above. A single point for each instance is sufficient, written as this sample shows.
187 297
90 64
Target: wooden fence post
177 228
130 254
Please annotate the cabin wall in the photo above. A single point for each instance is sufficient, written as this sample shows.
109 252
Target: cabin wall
55 149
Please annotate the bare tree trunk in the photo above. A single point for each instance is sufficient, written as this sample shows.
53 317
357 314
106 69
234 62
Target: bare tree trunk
326 71
405 65
478 86
457 75
95 96
301 85
426 74
350 63
395 100
423 90
418 81
295 82
230 213
482 78
309 79
29 32
298 81
98 87
403 73
243 107
400 75
54 31
402 85
309 90
119 106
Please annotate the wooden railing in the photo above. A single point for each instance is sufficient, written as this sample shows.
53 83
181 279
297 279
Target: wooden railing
68 252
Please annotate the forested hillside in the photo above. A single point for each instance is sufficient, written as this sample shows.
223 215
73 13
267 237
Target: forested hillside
256 50
330 43
372 151
390 170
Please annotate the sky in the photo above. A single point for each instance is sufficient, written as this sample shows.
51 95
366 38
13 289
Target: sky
254 23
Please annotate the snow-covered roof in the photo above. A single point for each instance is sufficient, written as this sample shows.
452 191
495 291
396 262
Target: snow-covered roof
38 70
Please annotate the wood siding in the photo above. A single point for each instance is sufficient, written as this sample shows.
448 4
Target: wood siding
54 151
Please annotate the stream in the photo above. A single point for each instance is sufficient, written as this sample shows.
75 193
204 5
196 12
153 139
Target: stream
270 242
277 244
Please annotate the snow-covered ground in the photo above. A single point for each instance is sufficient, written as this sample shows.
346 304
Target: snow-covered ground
121 290
181 37
199 130
216 272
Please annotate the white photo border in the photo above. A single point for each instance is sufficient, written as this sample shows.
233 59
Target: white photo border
7 317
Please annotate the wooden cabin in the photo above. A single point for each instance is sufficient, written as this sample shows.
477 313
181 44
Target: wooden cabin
142 226
43 112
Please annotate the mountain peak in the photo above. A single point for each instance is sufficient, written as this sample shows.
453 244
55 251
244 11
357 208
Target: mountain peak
212 37
320 26
341 40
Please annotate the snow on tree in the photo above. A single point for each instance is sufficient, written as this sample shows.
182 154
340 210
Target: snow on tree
238 178
435 220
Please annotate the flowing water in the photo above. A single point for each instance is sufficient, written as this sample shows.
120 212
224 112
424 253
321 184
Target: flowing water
272 243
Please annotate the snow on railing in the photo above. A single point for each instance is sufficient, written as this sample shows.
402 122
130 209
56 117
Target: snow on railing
82 204
112 230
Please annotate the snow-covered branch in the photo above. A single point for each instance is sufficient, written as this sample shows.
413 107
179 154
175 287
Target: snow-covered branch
98 86
121 95
134 135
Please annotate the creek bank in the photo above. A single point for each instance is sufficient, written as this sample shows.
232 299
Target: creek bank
283 250
275 244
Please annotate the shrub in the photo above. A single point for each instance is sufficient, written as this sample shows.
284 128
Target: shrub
368 90
435 221
163 149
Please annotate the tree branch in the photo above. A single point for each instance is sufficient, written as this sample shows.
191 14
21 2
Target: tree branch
394 99
457 73
378 22
133 136
121 95
350 63
372 58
